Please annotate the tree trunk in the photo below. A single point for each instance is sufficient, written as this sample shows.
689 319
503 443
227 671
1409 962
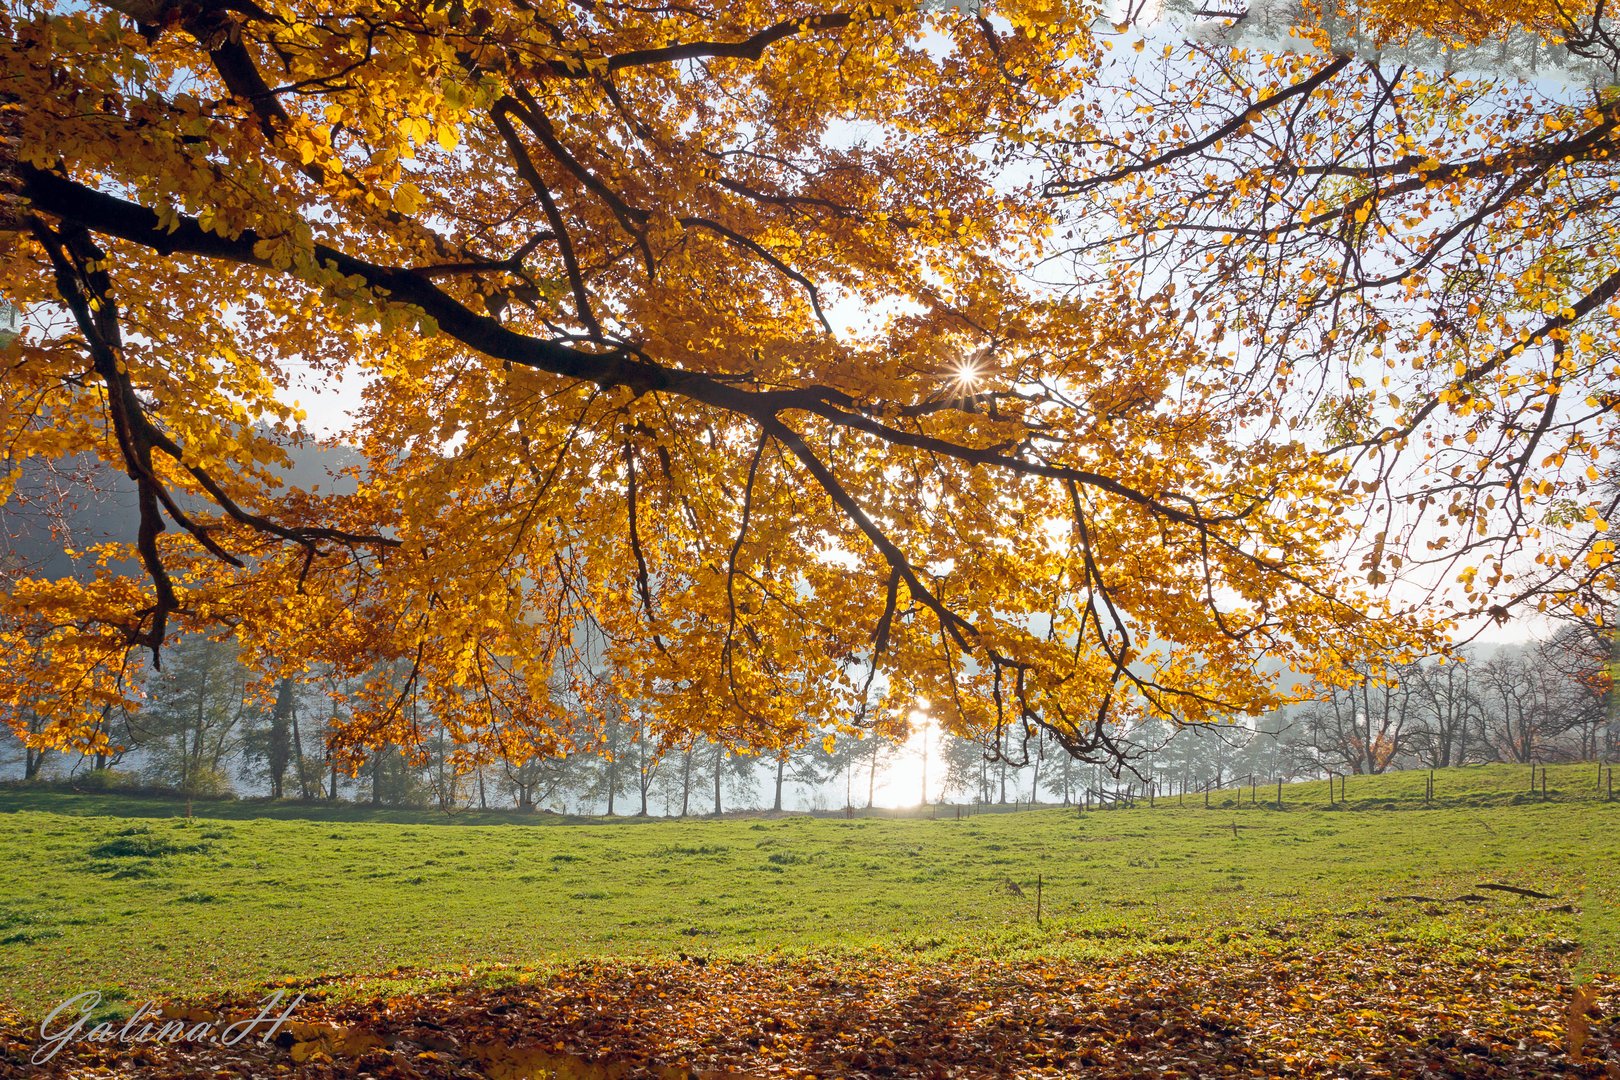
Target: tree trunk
719 753
781 770
101 726
686 781
279 737
190 758
643 772
298 757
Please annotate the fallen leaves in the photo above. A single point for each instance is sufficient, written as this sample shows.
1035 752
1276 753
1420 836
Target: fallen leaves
317 1042
1370 1009
1582 1005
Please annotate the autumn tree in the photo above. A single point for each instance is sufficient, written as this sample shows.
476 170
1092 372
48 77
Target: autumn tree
722 332
1368 213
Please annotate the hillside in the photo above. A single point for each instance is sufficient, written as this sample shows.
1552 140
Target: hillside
190 900
1409 937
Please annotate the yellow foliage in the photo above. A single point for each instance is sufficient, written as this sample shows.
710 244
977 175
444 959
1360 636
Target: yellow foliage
702 375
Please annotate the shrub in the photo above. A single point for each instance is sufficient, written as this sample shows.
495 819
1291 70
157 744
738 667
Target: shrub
108 780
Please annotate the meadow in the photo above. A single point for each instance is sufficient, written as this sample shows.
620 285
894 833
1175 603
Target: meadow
125 895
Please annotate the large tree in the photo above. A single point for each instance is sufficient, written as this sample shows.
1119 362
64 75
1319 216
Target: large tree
715 334
1405 247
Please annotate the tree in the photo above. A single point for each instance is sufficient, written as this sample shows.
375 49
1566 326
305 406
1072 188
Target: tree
538 779
199 710
779 770
678 779
1062 779
1452 714
1423 255
657 343
648 761
34 756
615 753
391 780
1530 701
1365 725
278 748
730 774
1580 658
1267 750
966 764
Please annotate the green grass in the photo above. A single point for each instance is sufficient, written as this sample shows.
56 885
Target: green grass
122 895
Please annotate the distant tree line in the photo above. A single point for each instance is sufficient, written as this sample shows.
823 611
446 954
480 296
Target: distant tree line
1544 702
206 730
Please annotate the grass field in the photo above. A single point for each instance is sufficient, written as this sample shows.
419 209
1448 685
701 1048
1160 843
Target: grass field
125 896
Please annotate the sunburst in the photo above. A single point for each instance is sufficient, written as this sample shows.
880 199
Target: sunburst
967 375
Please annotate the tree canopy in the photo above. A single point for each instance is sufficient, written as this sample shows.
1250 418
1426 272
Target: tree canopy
768 365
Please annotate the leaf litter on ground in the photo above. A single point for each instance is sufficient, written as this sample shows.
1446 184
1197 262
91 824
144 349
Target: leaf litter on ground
1368 1009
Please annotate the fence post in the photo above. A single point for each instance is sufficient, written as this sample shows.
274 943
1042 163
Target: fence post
1544 783
1037 899
1279 793
1206 798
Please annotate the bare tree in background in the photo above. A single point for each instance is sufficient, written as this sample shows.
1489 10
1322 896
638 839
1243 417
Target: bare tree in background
1450 712
1364 727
